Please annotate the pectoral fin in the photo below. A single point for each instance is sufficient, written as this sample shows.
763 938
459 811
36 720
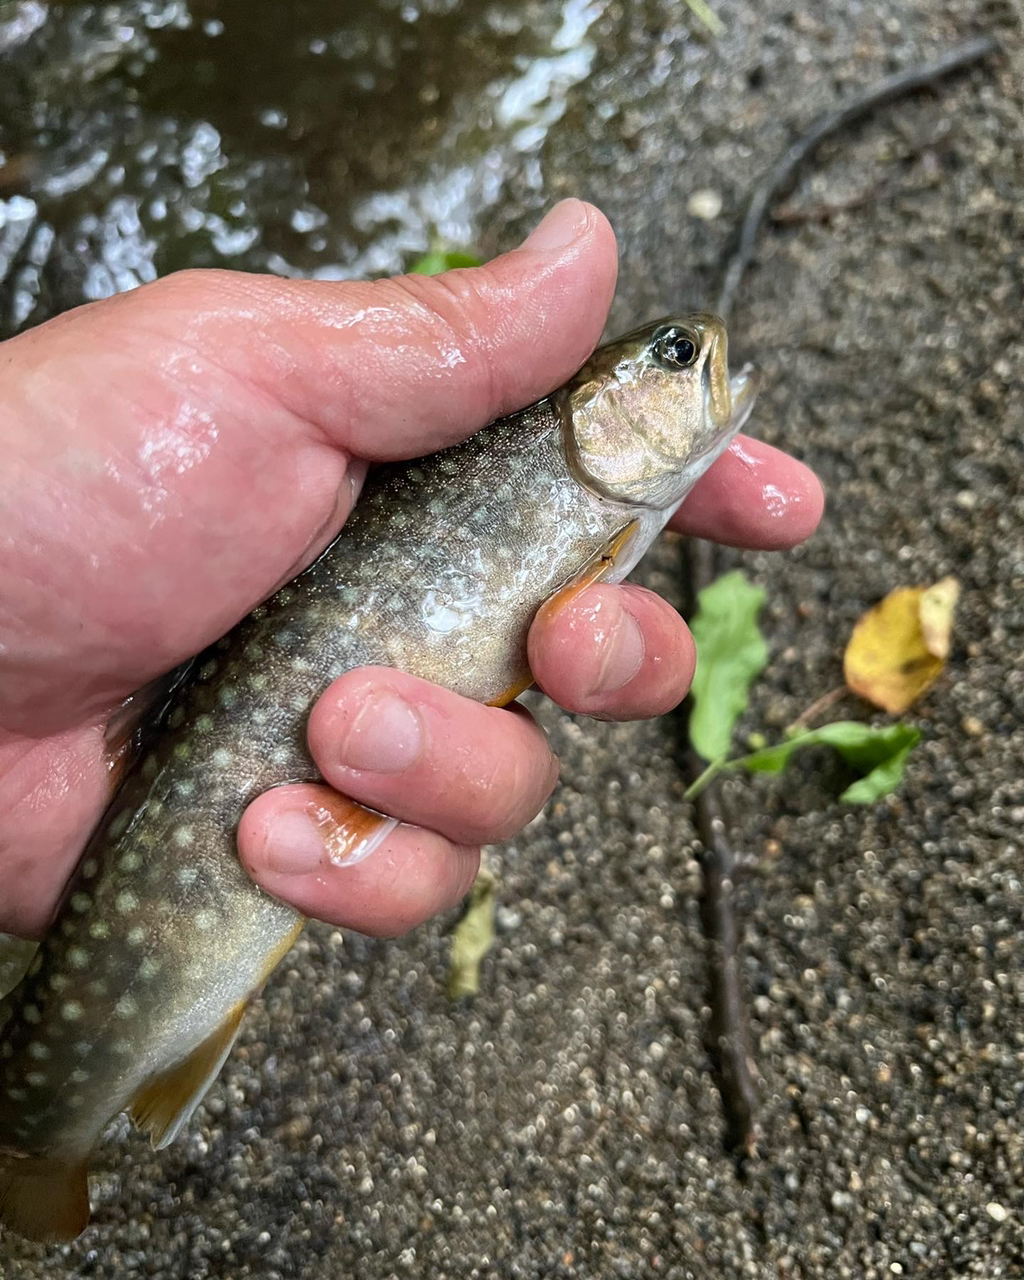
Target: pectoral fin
43 1199
595 571
164 1103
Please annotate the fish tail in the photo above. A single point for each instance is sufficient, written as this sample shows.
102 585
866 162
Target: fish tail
42 1198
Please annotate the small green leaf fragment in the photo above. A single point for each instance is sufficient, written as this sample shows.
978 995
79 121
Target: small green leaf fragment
730 653
438 260
704 13
472 938
879 754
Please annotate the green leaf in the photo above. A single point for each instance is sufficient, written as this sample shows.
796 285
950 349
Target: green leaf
878 754
473 937
730 653
438 260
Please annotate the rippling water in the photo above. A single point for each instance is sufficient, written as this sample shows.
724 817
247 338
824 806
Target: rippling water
323 138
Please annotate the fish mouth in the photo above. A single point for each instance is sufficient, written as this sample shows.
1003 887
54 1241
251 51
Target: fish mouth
743 389
728 399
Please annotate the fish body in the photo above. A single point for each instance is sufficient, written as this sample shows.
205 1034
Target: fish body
137 992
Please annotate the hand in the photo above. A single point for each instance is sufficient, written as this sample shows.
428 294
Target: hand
173 454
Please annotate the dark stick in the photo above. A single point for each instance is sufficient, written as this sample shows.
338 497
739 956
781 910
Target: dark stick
730 1021
729 1028
784 172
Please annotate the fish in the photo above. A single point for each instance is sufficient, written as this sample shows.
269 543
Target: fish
136 994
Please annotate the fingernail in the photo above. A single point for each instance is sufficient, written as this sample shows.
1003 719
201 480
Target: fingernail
385 737
622 654
559 227
294 845
339 832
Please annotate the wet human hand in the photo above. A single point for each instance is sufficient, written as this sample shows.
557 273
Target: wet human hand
174 454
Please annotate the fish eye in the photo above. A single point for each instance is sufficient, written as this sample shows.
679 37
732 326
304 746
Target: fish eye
676 348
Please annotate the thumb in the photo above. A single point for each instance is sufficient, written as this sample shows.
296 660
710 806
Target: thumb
400 367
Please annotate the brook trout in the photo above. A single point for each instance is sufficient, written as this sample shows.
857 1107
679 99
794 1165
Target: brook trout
136 994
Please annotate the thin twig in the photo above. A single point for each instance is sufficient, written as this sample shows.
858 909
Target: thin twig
784 172
819 705
730 1019
729 1030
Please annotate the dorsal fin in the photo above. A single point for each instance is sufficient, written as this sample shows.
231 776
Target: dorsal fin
43 1199
165 1102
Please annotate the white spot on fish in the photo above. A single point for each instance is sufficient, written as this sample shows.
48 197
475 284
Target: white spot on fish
89 868
18 1095
185 787
35 1078
78 1076
59 982
36 1049
126 1007
258 681
119 823
31 1013
80 902
284 638
205 919
71 1011
253 651
182 750
228 696
83 1048
148 968
221 758
301 664
183 837
186 876
78 957
99 929
203 724
280 755
97 987
208 669
130 861
126 901
136 935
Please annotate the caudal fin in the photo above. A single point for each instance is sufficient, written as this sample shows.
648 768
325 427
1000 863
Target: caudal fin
42 1199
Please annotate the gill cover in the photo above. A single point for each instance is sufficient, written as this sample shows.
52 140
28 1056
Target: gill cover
649 413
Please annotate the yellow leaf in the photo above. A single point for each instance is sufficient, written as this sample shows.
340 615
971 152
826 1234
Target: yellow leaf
900 647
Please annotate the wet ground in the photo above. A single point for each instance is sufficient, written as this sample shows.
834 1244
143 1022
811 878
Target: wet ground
564 1123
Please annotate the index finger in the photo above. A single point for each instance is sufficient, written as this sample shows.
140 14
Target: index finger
755 497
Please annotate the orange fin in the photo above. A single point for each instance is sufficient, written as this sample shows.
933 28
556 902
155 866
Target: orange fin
43 1199
594 571
164 1103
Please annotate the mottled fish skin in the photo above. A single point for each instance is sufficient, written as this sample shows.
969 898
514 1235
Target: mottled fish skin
162 937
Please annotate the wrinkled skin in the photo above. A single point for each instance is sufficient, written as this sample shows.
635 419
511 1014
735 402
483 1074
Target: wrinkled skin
174 454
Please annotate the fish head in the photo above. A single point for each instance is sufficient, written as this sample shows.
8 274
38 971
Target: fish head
648 414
